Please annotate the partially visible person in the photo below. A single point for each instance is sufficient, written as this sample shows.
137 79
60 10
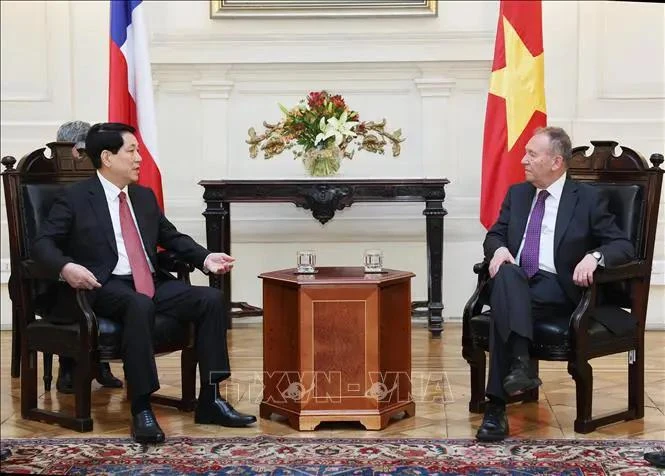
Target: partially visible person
551 235
75 131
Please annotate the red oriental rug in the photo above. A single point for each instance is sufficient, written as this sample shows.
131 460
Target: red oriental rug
300 456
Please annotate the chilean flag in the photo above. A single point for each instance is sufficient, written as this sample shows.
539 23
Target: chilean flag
130 86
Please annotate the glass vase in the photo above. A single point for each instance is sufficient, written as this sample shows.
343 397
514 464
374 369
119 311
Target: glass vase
322 162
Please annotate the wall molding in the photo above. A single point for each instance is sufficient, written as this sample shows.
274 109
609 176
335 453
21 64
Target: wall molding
195 47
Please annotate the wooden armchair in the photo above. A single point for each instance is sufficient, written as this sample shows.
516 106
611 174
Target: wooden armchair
633 189
30 189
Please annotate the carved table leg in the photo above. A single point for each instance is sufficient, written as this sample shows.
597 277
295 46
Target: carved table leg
218 236
434 213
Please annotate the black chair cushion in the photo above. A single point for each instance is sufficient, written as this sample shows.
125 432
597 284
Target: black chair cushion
37 201
627 203
551 337
169 334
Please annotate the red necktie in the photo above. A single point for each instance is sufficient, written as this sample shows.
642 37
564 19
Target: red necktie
529 259
143 282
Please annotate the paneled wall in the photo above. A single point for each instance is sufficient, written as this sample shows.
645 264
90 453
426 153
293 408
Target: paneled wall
213 79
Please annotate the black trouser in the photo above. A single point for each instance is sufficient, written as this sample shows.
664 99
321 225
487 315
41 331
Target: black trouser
516 302
118 300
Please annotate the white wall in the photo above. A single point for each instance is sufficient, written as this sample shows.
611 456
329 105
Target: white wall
216 78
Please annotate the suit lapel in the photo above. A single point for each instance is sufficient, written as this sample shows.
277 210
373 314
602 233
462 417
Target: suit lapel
522 210
565 212
100 208
140 214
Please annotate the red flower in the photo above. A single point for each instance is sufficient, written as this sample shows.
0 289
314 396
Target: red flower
316 99
338 101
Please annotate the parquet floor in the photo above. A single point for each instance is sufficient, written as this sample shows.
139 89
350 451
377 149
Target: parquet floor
440 386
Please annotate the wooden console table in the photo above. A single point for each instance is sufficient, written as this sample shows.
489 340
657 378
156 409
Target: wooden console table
337 346
323 198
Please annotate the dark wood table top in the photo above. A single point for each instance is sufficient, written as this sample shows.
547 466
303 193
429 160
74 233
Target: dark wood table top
337 275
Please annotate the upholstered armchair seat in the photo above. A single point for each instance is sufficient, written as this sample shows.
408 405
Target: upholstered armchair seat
168 335
551 337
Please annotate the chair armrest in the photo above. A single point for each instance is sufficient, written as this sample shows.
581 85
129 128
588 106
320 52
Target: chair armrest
634 269
169 262
87 321
579 320
89 328
477 300
481 268
29 269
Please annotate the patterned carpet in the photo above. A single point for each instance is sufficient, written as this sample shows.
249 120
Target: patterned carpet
295 456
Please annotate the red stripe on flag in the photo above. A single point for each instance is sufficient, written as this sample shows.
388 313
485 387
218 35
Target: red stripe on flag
122 108
119 97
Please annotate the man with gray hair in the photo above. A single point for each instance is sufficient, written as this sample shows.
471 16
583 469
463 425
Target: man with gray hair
73 131
551 235
76 131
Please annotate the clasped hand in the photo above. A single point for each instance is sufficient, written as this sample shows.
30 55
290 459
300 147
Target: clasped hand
582 276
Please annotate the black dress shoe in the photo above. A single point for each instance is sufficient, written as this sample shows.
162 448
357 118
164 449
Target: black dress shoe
656 458
145 428
106 378
65 382
495 424
519 379
220 412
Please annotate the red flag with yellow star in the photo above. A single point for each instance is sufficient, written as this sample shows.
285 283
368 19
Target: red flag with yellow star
515 103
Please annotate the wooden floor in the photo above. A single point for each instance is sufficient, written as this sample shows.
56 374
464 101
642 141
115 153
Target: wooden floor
440 387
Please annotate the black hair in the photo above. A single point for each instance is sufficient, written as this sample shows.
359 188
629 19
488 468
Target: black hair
105 136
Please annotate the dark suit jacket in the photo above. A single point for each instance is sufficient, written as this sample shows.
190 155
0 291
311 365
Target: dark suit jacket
79 229
583 224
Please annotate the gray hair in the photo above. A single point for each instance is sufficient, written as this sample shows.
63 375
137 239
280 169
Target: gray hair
559 142
73 131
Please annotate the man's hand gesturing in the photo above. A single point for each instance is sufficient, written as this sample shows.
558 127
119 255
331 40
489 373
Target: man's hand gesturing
501 255
219 263
79 277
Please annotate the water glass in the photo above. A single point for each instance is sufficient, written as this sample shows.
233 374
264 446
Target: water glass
306 262
373 261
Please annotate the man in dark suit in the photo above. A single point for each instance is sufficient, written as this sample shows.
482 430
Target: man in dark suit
102 235
550 236
76 131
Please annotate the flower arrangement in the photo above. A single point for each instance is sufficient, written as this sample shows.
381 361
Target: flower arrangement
321 129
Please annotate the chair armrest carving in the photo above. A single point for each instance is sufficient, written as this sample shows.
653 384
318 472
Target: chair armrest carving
477 300
481 269
89 328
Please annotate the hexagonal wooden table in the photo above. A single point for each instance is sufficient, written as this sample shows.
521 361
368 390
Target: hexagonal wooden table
337 346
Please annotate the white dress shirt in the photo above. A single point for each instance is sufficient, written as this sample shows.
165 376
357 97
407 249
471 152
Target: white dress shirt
546 253
112 199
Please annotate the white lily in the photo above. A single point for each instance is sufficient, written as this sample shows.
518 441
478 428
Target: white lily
339 128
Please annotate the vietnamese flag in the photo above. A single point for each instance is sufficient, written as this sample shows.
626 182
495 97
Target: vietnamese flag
515 103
